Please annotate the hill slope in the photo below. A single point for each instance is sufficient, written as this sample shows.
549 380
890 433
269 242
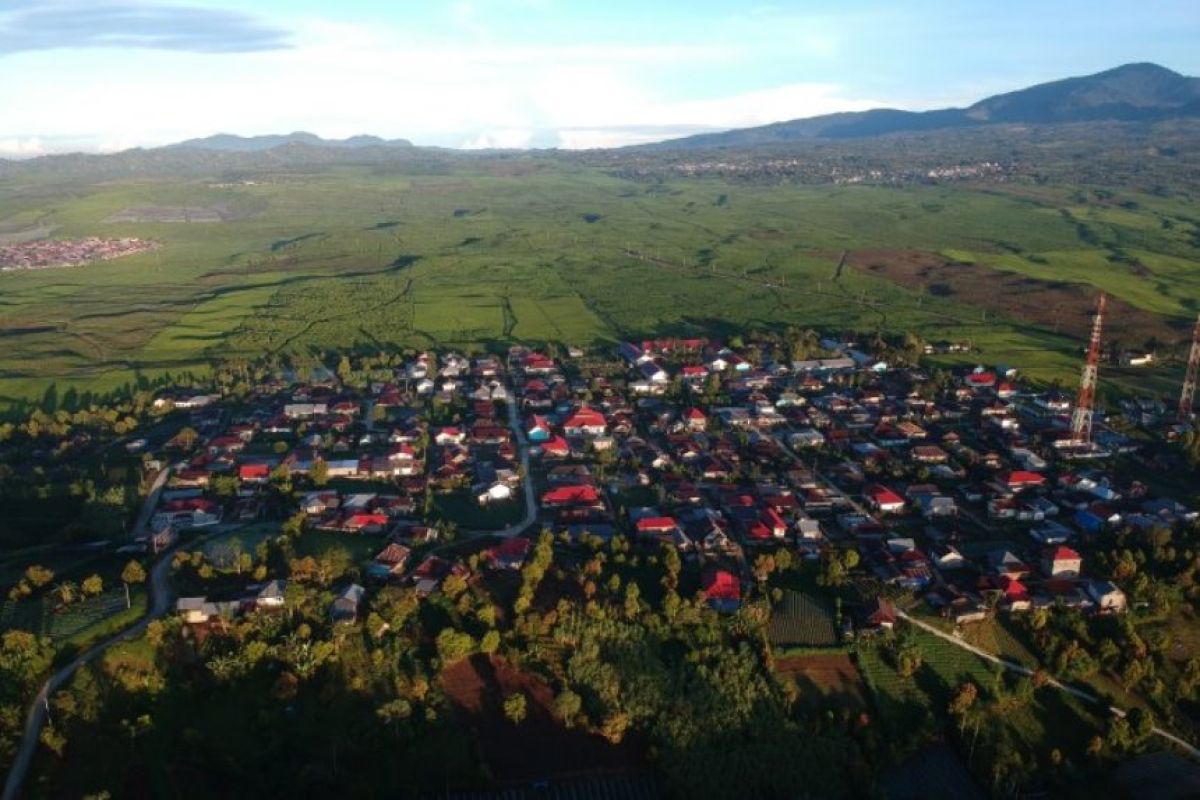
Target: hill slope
1134 92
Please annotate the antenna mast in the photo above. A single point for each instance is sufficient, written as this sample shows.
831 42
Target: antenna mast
1081 419
1188 396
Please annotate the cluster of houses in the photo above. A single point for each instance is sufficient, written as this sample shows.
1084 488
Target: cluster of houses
954 493
46 253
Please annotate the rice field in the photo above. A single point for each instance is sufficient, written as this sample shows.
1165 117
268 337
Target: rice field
353 257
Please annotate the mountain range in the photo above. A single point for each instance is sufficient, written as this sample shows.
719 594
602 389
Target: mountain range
228 142
1131 93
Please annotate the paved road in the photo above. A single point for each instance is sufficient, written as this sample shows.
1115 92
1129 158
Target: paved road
1024 670
160 600
151 502
531 506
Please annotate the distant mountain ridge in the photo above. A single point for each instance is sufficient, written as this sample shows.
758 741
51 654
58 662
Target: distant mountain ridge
228 142
1130 93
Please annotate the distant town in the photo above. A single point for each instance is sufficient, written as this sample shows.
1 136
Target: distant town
52 253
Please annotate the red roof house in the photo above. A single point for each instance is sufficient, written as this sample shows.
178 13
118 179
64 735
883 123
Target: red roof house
254 473
578 495
883 499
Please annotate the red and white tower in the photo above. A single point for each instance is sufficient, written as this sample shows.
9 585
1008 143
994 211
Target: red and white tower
1188 396
1081 420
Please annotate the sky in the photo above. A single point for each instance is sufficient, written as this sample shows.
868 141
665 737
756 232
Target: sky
105 75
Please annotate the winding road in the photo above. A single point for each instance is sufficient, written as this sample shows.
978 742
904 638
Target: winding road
160 600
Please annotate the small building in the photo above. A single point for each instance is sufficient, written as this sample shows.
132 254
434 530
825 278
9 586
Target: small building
510 554
1107 597
722 590
879 614
1061 562
345 607
883 499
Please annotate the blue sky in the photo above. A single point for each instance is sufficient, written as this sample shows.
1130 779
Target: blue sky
110 74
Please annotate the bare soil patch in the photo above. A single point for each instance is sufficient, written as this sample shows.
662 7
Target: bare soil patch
825 679
540 746
1054 305
166 214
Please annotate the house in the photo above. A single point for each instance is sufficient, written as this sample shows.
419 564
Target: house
557 447
510 554
585 422
1061 562
929 454
363 522
695 419
883 499
1107 597
936 505
722 590
1005 564
200 610
576 495
305 410
653 372
450 435
1019 479
539 429
254 473
390 562
1050 532
948 557
193 610
879 614
271 595
345 607
319 502
656 526
1014 595
186 513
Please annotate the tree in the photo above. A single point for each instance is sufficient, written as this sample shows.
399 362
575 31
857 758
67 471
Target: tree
394 712
133 572
92 586
1141 723
633 603
320 472
23 659
453 645
67 592
515 708
293 526
568 705
187 437
38 576
964 698
614 726
764 565
490 642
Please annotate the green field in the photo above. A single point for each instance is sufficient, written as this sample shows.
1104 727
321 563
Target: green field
486 252
801 619
907 704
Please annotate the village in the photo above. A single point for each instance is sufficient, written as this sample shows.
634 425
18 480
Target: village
51 253
957 497
880 529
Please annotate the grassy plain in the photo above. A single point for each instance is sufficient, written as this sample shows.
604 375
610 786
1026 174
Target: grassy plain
538 251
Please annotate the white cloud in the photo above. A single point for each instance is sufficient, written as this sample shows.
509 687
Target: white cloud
22 148
342 79
503 139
